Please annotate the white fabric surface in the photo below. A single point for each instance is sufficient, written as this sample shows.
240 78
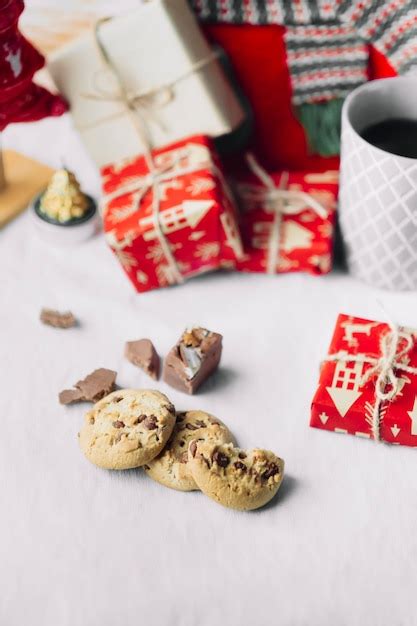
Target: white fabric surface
81 546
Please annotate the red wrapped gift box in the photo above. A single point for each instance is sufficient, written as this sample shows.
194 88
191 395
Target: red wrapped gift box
368 383
287 221
171 220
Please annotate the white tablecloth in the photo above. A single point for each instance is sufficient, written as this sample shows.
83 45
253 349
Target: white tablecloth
81 546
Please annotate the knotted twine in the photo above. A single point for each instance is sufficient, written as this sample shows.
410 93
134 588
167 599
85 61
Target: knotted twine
138 106
387 385
278 200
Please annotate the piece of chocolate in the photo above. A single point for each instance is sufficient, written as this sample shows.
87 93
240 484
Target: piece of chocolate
142 353
94 387
191 361
57 319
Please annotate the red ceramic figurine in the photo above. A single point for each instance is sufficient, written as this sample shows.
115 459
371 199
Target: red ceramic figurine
21 100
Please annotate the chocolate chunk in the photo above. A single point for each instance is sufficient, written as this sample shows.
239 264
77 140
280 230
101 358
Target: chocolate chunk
94 387
68 396
150 422
193 448
271 470
242 455
139 419
118 424
192 360
191 426
220 458
142 353
57 319
201 424
240 465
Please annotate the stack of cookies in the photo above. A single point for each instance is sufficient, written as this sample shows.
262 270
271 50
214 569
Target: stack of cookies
133 428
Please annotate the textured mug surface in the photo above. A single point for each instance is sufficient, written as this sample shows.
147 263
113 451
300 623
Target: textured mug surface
378 190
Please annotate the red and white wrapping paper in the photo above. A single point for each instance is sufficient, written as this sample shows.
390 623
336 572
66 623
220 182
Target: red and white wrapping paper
283 232
194 229
345 403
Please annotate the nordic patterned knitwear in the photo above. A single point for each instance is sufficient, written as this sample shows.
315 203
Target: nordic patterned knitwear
327 39
324 61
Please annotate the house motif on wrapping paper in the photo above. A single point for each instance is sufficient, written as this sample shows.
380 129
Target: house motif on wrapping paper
294 236
344 390
187 214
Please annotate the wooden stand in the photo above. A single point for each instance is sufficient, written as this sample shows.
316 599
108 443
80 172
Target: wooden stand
21 179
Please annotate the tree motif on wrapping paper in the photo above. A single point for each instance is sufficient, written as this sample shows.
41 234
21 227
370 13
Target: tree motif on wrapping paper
165 274
121 213
200 185
206 251
155 252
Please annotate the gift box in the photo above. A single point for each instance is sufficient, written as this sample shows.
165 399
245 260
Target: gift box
171 218
153 64
368 382
287 220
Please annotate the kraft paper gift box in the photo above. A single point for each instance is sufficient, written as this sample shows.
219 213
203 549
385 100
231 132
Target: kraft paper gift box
174 222
287 220
368 382
156 61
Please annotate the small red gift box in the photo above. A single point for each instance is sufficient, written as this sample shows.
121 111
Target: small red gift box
287 221
368 382
171 218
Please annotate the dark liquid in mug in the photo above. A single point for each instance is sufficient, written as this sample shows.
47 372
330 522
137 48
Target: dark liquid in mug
398 136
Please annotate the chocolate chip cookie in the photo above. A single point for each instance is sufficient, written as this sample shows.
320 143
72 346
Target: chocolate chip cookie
238 479
170 467
127 428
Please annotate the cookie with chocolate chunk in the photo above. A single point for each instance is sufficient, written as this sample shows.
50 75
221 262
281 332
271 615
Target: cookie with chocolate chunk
238 479
193 359
127 428
170 467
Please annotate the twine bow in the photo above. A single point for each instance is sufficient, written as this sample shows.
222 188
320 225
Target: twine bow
280 201
387 385
138 106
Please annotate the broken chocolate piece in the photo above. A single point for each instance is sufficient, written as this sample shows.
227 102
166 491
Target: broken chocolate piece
94 387
57 319
142 353
70 395
191 361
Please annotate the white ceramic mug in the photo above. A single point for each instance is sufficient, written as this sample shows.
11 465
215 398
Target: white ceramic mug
378 190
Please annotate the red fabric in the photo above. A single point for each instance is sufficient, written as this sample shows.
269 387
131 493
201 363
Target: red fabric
259 59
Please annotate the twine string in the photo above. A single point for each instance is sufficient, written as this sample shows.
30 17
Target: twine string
280 200
138 107
383 367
